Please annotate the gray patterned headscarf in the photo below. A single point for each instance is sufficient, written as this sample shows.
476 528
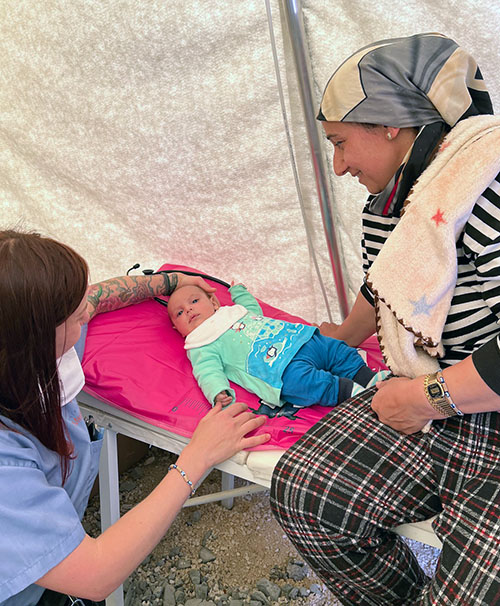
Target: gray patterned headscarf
406 82
425 81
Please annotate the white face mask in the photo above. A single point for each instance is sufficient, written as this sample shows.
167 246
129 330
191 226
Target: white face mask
71 377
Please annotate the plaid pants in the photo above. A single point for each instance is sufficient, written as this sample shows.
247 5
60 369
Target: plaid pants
339 490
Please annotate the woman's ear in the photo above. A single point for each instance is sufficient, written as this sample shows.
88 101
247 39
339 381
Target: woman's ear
391 132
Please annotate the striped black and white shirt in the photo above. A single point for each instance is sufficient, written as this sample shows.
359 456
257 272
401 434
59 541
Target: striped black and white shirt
474 316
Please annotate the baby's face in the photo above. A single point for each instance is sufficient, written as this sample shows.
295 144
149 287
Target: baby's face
188 307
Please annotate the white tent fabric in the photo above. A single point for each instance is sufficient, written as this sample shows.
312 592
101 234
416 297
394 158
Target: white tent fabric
152 132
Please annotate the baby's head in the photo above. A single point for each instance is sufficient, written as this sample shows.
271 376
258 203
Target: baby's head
189 306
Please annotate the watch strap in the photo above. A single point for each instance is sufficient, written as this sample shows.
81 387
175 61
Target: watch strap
436 392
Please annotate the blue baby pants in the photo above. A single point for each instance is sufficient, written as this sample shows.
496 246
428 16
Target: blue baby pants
312 376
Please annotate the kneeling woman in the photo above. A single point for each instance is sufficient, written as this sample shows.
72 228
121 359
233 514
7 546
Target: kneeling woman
48 463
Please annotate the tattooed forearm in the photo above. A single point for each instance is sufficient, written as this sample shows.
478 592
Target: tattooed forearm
126 290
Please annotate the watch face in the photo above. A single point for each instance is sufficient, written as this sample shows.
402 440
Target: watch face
435 391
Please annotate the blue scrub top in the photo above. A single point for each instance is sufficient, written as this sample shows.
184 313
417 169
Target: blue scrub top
40 520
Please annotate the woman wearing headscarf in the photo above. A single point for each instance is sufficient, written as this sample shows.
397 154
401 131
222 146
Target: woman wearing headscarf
411 118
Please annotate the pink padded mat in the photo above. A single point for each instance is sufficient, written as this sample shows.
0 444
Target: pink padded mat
135 361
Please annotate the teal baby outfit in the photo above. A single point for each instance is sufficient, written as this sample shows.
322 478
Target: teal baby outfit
238 343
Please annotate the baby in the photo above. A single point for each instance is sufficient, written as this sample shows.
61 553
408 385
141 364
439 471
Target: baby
278 361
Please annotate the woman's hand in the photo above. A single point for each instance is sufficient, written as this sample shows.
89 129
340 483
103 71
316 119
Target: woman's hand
356 328
185 280
221 433
329 329
97 566
401 403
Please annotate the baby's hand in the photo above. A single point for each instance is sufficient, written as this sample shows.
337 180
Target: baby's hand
237 283
224 398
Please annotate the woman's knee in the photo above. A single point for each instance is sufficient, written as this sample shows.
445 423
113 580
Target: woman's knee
289 487
303 495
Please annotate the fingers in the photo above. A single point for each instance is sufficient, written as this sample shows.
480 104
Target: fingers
216 408
185 280
204 285
328 329
328 325
249 422
222 432
253 441
239 413
223 398
244 419
236 409
381 385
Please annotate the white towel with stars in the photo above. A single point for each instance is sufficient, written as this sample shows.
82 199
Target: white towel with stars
414 275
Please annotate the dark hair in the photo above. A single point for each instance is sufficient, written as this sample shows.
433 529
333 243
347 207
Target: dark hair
42 282
370 126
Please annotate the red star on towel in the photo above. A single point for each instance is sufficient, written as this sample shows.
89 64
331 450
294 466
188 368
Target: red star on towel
438 218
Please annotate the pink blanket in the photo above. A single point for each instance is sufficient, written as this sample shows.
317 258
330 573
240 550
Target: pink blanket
135 361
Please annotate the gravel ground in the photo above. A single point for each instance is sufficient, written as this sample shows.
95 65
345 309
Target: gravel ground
213 556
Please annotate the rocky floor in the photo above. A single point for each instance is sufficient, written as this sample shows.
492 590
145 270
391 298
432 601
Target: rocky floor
213 556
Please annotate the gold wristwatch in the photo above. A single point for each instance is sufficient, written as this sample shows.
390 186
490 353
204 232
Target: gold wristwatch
438 396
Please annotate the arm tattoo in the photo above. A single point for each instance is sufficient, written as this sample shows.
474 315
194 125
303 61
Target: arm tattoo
119 292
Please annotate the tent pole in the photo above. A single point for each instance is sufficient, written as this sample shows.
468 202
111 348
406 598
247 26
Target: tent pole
295 26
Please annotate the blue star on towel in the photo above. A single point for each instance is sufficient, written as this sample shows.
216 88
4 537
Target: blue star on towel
421 307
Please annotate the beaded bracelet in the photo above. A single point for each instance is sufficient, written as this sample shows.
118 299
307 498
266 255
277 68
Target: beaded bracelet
184 477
